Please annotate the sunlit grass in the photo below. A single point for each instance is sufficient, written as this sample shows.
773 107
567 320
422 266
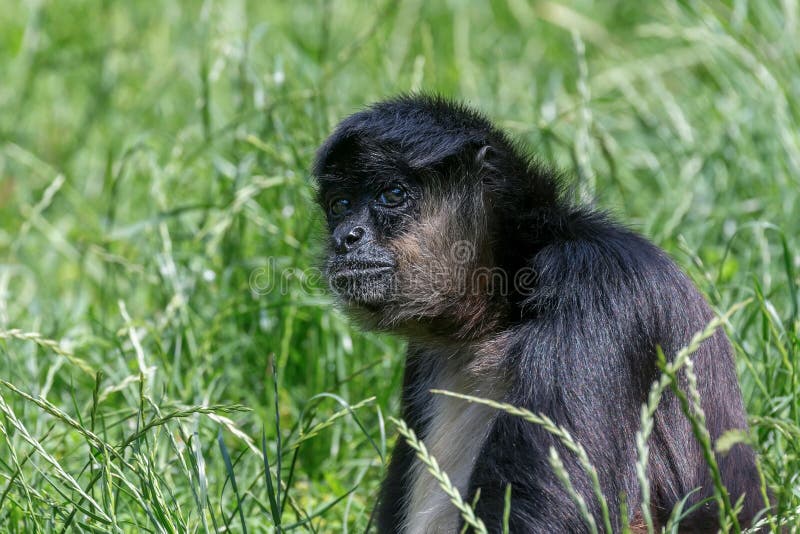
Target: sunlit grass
154 158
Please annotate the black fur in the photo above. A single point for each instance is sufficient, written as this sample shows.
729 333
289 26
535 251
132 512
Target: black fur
580 339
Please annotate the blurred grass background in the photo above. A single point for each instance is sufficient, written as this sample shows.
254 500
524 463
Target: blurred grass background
154 157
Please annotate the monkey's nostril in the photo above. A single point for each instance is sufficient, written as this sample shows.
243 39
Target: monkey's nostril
354 235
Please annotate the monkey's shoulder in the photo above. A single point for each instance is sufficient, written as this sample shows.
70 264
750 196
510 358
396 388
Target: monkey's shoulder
594 262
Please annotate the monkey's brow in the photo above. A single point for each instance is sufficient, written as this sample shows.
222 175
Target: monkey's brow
328 189
353 183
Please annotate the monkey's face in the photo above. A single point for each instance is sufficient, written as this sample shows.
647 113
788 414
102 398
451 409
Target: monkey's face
363 217
403 252
410 197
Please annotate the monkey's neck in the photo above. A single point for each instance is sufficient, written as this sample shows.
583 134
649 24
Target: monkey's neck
465 324
471 360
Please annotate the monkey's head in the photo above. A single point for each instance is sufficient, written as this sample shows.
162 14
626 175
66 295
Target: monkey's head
424 200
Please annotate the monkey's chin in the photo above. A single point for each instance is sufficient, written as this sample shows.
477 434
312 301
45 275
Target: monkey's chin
367 288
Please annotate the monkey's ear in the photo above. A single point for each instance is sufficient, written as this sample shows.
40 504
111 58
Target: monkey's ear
484 153
469 153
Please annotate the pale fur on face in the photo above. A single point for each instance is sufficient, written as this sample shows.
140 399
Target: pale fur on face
435 289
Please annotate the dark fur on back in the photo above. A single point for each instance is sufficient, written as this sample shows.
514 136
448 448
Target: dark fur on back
577 341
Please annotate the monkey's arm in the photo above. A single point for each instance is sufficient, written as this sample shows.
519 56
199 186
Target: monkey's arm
518 456
584 357
517 453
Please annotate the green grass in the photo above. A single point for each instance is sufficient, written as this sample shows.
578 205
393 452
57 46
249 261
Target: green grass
154 165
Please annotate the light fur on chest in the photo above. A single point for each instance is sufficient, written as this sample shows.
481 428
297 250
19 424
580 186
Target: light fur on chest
454 434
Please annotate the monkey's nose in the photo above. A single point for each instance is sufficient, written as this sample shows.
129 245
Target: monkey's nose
354 236
350 240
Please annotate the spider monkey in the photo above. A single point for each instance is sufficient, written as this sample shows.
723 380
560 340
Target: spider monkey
443 231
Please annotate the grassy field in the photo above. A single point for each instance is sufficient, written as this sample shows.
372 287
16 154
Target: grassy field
160 342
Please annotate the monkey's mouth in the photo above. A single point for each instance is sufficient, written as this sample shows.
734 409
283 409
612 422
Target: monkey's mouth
361 282
350 272
350 268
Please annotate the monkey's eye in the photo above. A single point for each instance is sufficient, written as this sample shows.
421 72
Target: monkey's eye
392 196
339 205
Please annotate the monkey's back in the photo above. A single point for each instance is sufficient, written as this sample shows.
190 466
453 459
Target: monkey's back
604 300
